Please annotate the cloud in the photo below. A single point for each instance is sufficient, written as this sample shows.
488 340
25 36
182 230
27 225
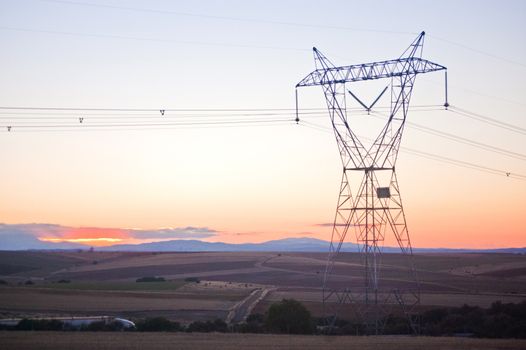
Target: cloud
250 233
33 229
174 233
25 236
35 236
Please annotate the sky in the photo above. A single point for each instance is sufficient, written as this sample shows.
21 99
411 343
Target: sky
252 182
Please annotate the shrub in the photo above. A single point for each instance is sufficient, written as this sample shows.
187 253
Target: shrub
217 325
39 325
101 326
288 316
157 324
254 324
220 325
192 279
337 326
397 325
499 321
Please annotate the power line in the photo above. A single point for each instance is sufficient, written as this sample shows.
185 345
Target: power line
284 23
152 109
40 113
241 117
436 157
22 114
227 18
465 164
185 42
36 110
466 141
6 117
481 52
460 139
474 92
14 118
487 120
121 128
12 128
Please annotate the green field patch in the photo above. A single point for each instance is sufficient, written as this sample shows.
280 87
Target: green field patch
117 286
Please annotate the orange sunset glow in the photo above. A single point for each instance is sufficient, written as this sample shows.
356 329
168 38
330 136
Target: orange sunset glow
89 236
100 241
262 174
103 134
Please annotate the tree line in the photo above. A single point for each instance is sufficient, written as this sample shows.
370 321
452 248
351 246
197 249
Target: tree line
500 320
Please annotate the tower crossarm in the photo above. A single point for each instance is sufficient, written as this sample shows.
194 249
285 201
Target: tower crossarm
369 71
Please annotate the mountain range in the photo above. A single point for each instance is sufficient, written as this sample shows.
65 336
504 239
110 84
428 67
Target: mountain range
302 244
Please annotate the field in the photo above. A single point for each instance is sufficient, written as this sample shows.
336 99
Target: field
103 283
214 341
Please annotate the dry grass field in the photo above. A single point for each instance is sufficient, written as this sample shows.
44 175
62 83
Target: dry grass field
214 341
104 282
187 303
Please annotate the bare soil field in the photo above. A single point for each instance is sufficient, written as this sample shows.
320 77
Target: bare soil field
437 299
85 301
104 282
214 341
191 302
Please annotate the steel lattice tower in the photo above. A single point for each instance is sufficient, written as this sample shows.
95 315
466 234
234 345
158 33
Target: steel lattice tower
371 206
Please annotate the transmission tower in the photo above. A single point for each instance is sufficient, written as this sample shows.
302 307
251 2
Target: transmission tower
369 201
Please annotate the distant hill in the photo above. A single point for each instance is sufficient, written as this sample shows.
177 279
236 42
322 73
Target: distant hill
303 244
19 241
288 244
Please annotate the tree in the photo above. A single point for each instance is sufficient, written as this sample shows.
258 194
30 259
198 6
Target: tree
218 325
39 325
288 316
157 324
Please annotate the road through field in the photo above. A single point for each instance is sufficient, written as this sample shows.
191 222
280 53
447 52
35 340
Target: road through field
214 341
240 311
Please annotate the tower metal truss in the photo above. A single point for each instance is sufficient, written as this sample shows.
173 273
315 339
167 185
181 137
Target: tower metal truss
372 205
